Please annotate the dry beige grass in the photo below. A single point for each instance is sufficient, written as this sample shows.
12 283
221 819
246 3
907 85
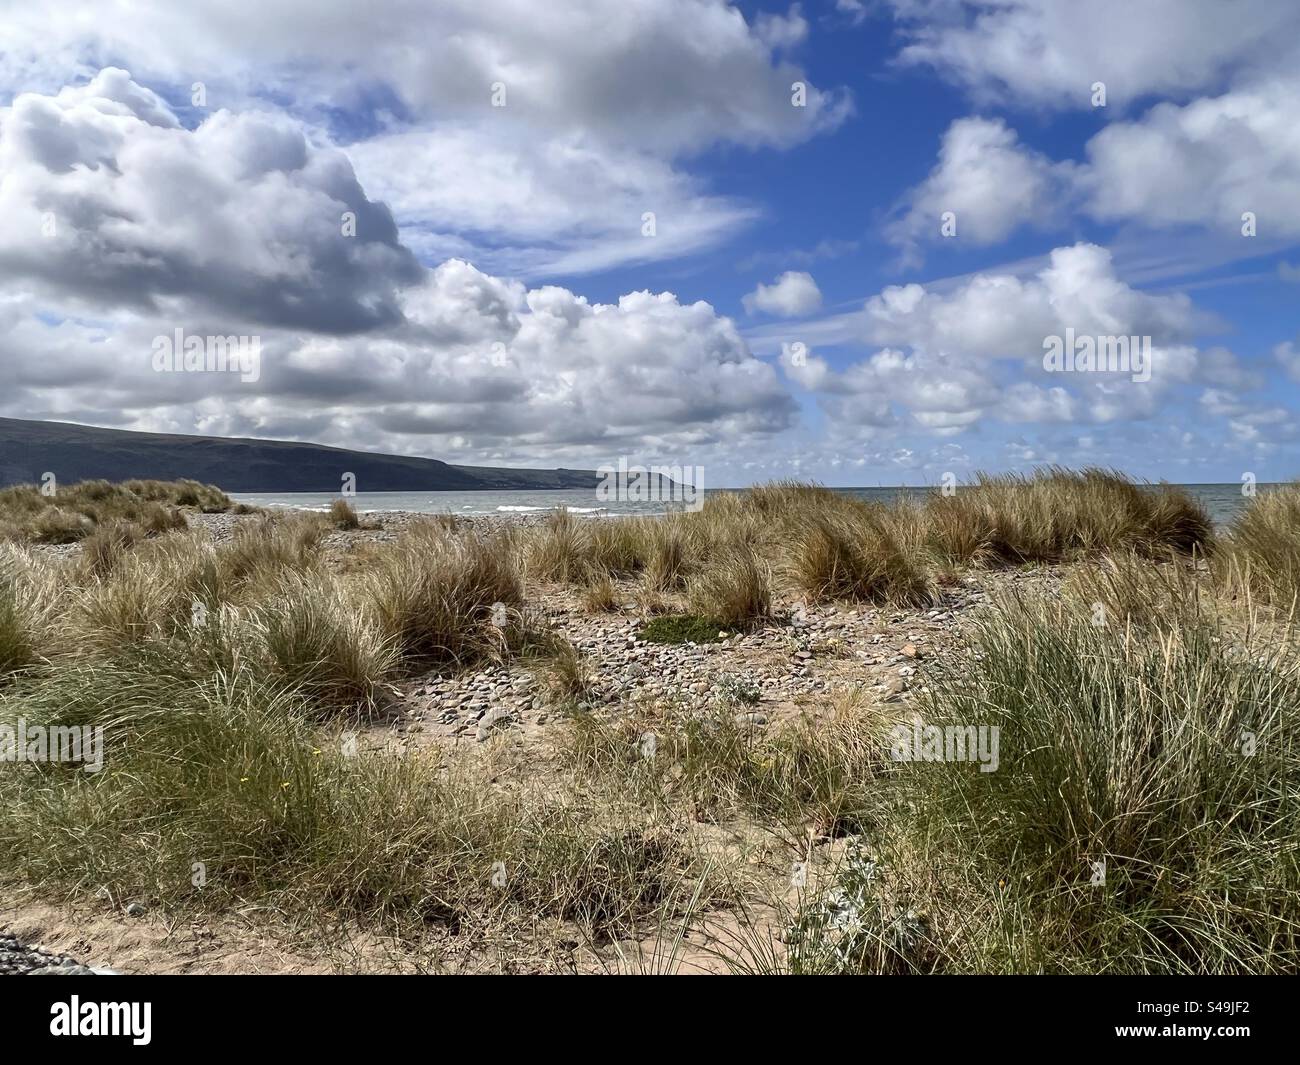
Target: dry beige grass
1261 554
72 512
735 589
822 544
343 515
445 598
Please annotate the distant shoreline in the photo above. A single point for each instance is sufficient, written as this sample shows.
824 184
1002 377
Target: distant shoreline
1222 501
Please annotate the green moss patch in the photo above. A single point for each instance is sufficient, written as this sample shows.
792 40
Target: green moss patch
682 628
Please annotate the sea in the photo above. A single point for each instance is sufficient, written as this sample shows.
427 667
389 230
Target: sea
1222 501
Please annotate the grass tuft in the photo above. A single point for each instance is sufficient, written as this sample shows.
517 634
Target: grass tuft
1261 555
343 515
1166 755
859 560
736 589
443 598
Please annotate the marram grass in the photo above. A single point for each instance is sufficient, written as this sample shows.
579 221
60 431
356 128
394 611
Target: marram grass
1147 720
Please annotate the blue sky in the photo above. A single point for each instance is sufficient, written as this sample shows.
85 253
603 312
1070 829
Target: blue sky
798 309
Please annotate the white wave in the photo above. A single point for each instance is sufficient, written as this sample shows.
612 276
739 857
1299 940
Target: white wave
522 509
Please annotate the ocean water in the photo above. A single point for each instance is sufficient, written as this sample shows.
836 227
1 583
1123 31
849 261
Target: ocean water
1222 501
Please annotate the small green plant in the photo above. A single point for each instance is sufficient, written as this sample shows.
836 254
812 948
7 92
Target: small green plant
736 691
682 628
854 927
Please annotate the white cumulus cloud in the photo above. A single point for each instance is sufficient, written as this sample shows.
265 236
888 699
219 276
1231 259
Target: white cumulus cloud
792 294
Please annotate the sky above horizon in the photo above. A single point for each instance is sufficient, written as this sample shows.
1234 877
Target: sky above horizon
828 240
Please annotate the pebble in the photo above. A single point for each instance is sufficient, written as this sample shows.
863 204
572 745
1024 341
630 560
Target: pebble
19 959
493 721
